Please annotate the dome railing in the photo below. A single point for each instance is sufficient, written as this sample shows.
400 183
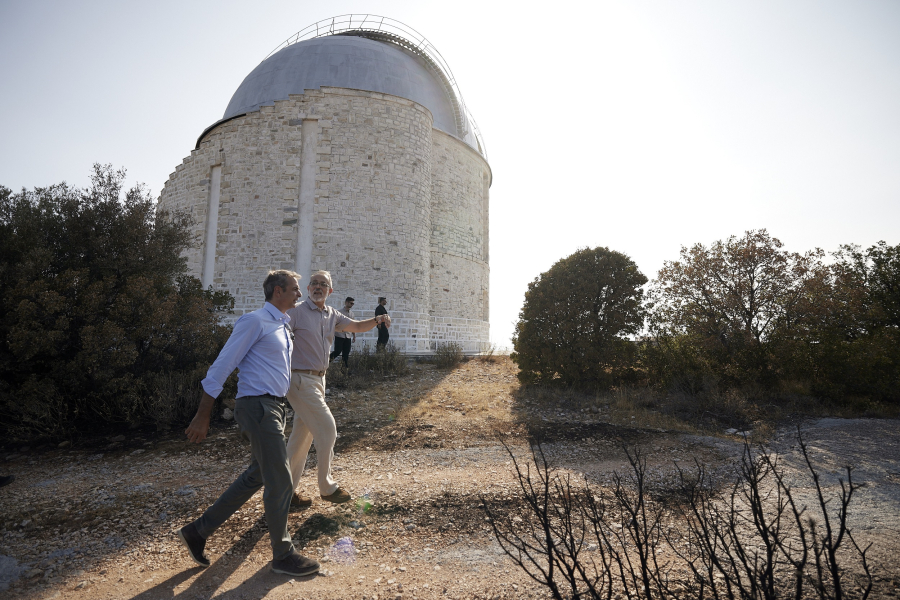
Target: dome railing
392 31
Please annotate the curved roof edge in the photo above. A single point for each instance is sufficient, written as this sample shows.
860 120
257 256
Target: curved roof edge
208 130
397 33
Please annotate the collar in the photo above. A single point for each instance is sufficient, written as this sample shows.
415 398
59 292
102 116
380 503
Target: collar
276 314
312 306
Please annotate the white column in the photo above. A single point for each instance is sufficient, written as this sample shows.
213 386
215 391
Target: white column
309 137
212 228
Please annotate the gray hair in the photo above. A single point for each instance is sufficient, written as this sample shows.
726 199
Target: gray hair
277 278
324 274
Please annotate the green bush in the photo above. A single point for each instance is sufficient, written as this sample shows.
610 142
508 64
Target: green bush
96 311
574 326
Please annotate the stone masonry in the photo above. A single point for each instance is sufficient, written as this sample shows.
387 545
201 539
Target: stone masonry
398 209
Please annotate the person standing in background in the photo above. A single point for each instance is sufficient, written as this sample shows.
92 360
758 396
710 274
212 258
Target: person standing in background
383 335
342 339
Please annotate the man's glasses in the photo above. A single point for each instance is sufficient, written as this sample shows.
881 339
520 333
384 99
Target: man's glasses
319 284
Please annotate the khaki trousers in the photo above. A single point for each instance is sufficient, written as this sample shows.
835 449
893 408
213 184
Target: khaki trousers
312 420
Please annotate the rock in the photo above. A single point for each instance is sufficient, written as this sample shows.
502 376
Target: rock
118 438
228 414
65 444
731 431
34 573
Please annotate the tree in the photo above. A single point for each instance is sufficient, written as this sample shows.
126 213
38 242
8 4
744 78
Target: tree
877 272
735 300
95 308
855 348
574 324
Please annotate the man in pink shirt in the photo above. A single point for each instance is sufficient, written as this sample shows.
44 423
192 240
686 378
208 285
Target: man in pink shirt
314 324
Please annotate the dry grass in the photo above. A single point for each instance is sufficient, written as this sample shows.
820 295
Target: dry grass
479 400
474 391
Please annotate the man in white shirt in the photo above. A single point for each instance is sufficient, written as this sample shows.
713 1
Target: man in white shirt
260 348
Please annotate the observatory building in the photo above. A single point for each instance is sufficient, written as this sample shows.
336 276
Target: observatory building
348 149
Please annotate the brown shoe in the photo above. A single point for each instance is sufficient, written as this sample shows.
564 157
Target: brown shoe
338 497
298 501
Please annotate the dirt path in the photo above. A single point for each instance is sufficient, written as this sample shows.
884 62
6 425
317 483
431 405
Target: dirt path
419 455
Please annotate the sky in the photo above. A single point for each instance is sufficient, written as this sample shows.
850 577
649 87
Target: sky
642 126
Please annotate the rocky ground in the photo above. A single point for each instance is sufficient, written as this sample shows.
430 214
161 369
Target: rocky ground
420 454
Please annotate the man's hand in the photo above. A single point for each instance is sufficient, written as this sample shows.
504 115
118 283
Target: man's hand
197 430
199 427
386 319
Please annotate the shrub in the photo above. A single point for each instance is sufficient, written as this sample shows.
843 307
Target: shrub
573 327
490 354
680 537
447 355
95 309
366 366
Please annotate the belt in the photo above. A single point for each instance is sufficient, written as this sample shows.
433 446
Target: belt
272 396
309 372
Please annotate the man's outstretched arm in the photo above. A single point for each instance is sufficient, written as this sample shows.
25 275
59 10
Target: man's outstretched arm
367 325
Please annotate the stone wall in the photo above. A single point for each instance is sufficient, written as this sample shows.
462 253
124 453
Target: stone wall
395 204
459 233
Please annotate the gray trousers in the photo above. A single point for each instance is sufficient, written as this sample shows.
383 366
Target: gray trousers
262 420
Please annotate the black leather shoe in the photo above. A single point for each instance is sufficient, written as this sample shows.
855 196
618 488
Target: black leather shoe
295 565
194 542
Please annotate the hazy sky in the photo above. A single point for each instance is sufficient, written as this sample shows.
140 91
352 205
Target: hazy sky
642 125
